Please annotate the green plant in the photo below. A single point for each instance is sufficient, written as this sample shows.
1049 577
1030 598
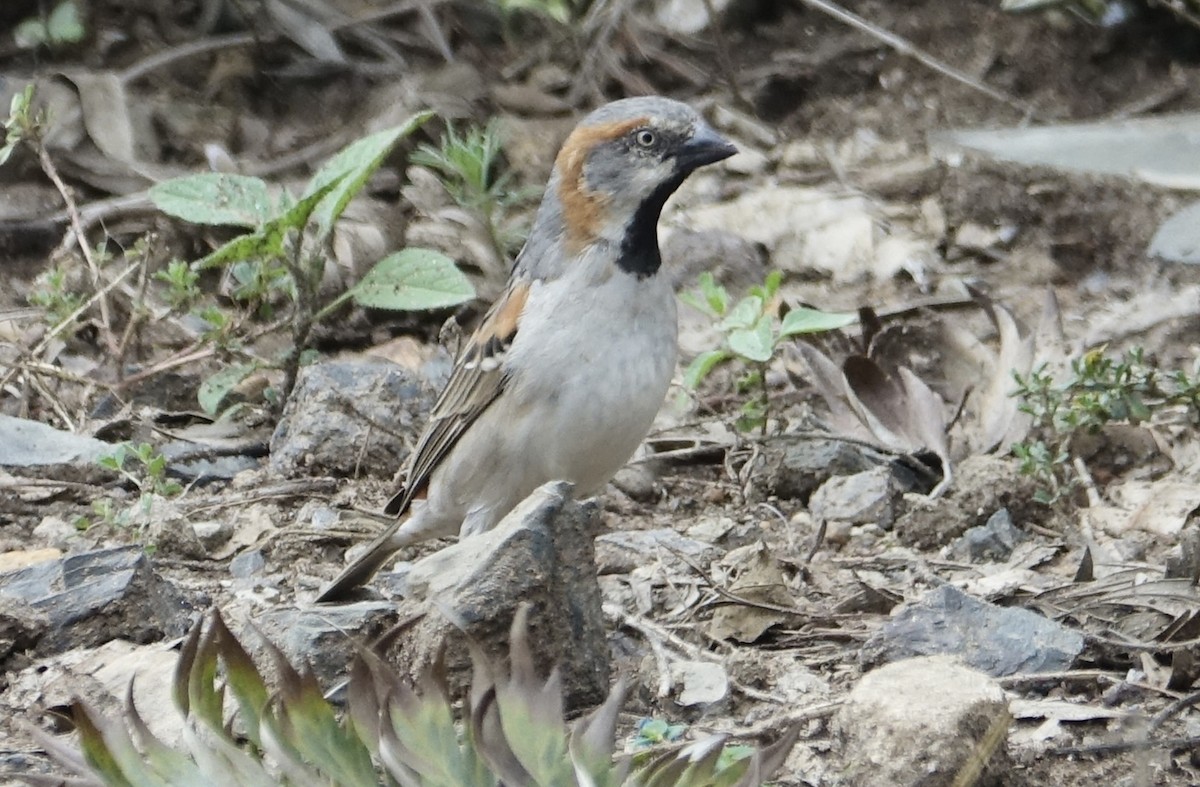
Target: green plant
182 284
53 292
281 260
468 165
511 731
63 25
1099 390
24 123
752 332
146 469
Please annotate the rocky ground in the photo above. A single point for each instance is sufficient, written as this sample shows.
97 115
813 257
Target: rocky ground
868 562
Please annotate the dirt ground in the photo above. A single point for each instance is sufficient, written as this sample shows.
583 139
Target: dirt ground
856 115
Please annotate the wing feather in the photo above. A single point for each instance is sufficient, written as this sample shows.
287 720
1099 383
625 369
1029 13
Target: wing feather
477 379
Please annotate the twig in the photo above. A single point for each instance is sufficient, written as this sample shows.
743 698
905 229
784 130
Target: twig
68 320
1120 747
772 725
1166 713
1089 486
51 171
661 660
653 630
905 47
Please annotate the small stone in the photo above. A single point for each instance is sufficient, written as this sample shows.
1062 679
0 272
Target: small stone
328 426
703 682
997 640
247 564
56 531
317 637
541 553
863 498
637 481
34 444
213 532
924 721
791 468
994 540
98 596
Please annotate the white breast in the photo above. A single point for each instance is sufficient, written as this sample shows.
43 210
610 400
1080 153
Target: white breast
605 355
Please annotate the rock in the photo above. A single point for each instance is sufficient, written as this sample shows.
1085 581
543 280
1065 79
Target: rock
21 626
863 498
55 530
319 638
329 424
996 640
637 481
791 468
624 550
983 484
247 564
687 17
33 444
994 540
736 263
212 533
700 682
926 721
540 554
94 597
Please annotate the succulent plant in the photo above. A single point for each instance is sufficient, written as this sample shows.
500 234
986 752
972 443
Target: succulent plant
511 731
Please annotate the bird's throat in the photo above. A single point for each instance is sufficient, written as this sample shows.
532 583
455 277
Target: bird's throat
638 253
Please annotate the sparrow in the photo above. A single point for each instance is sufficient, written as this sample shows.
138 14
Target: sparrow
568 368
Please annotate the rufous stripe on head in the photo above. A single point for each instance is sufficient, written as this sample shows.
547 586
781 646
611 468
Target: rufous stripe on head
583 209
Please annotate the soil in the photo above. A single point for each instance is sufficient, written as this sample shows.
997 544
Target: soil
805 77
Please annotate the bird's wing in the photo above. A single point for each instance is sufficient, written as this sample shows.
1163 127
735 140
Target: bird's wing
477 379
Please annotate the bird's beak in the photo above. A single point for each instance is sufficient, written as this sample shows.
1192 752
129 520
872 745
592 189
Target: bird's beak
705 147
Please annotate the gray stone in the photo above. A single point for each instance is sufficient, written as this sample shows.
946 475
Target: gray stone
350 416
624 550
319 638
25 443
926 721
541 554
994 540
637 481
91 598
247 564
791 467
861 499
736 262
997 640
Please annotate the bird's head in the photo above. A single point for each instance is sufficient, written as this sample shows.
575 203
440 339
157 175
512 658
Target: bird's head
619 166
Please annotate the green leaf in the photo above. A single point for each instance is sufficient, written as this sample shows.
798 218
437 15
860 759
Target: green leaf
754 344
266 242
351 167
802 320
214 390
744 315
215 198
63 26
700 367
769 287
716 295
413 279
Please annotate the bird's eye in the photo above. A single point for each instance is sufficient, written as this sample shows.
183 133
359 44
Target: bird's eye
645 137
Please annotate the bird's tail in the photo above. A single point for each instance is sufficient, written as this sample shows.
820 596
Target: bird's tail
362 569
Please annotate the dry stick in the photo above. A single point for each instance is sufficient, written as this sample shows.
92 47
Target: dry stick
73 212
70 318
694 652
905 47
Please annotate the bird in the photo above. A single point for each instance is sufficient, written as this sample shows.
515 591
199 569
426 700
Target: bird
567 369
